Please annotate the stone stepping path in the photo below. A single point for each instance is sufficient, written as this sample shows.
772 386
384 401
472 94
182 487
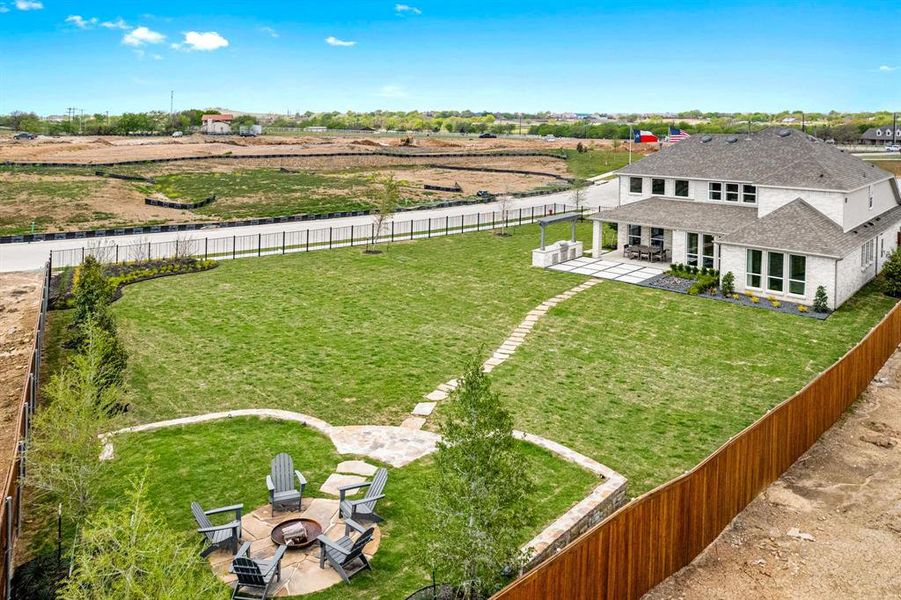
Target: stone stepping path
501 354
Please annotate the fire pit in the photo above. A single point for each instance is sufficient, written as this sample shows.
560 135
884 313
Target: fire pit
314 529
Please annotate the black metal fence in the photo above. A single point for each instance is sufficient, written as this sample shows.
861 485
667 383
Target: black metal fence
306 240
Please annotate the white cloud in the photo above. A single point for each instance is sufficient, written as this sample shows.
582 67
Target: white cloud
142 35
117 24
886 68
269 31
29 5
406 8
201 41
391 91
333 41
81 22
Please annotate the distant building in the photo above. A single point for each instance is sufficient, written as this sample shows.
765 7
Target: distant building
790 120
877 136
315 129
216 124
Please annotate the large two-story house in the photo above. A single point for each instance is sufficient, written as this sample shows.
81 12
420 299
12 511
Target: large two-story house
783 211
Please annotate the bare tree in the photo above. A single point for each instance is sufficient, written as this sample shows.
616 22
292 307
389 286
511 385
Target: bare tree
579 195
385 207
503 205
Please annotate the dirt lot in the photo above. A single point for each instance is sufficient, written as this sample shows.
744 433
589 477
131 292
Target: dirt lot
829 528
20 293
110 149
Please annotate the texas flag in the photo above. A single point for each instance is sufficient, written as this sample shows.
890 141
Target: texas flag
644 137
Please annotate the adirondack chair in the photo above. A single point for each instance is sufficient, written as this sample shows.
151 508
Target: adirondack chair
365 507
282 492
256 575
344 552
218 536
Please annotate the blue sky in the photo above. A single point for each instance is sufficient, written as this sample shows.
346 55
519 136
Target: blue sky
525 55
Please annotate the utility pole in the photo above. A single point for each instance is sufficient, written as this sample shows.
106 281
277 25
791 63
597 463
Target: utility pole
894 128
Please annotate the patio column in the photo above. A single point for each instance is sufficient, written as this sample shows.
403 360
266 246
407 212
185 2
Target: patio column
596 241
542 236
574 231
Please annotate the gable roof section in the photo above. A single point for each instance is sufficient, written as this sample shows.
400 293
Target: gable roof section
884 133
684 215
799 227
796 160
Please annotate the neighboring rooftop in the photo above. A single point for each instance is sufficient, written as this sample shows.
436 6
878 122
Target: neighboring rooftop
687 215
799 227
882 134
225 118
776 156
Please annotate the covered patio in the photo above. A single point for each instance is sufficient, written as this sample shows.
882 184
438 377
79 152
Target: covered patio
610 266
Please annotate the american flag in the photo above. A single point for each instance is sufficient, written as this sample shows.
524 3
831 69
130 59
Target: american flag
677 135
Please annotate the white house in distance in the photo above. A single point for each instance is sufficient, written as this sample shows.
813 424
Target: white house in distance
216 124
781 210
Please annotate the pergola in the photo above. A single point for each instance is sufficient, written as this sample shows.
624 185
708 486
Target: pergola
560 218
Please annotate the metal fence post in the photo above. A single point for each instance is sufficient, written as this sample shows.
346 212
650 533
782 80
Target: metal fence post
149 250
330 237
234 246
308 239
206 245
259 244
392 230
351 235
284 233
446 224
82 254
478 217
533 214
411 229
117 254
430 228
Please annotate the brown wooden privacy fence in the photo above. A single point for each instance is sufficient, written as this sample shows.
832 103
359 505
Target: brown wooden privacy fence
11 511
662 531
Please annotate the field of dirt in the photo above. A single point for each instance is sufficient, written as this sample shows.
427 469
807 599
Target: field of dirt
18 316
89 150
830 527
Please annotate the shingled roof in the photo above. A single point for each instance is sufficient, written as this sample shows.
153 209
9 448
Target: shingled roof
704 217
799 227
776 156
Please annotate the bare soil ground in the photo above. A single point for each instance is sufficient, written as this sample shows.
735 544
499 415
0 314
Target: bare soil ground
830 527
21 298
110 149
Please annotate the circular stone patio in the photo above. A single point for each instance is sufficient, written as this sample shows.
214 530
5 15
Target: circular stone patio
300 567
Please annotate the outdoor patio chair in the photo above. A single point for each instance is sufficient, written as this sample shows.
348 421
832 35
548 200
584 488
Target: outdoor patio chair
218 536
365 507
344 552
256 575
280 481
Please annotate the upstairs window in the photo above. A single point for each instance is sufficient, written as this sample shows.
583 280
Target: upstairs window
749 194
715 190
658 187
731 192
682 188
635 185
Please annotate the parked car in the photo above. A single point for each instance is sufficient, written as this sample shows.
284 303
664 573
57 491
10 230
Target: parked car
893 148
25 136
487 136
177 134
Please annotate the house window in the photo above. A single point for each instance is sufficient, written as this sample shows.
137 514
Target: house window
749 194
797 274
657 237
658 187
634 235
635 185
682 188
715 190
775 271
731 192
755 269
692 249
867 254
708 251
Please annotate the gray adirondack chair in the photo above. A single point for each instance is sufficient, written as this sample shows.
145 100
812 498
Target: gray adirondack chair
345 555
282 491
255 575
218 536
365 507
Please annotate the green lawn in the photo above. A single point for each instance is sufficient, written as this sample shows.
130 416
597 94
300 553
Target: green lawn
227 462
346 337
650 382
594 162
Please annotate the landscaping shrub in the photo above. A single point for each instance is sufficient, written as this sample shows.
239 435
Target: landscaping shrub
891 275
802 309
704 283
821 300
728 284
91 289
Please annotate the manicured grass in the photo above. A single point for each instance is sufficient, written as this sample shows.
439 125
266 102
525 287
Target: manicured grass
595 162
346 337
650 382
226 462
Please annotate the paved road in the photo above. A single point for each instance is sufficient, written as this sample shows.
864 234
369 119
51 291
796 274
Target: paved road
31 256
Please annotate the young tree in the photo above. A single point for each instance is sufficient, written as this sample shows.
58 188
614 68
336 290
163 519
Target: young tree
821 300
65 447
385 206
579 195
891 275
478 497
130 553
92 291
503 205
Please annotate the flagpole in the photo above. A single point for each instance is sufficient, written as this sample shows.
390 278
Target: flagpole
631 139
